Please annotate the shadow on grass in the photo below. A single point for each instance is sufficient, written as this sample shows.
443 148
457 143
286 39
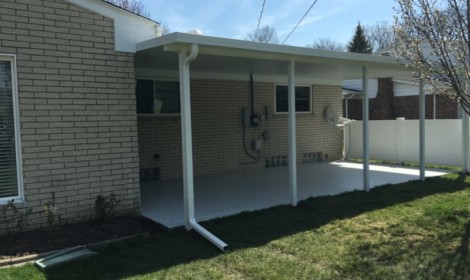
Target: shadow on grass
426 258
155 253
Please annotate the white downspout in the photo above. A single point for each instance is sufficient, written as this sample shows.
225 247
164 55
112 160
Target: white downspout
346 139
347 105
186 133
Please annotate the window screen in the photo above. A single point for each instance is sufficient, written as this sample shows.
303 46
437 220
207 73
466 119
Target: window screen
8 157
302 99
144 94
167 97
158 97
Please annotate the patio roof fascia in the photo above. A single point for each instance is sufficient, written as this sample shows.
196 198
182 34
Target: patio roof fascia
248 49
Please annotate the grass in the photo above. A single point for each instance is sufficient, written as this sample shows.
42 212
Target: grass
416 230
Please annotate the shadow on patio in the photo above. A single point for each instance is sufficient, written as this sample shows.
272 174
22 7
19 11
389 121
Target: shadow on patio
250 230
225 194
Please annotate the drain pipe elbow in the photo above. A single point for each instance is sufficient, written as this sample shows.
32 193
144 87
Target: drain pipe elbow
192 55
208 235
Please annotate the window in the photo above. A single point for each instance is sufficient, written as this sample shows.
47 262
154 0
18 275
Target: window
302 99
158 97
10 160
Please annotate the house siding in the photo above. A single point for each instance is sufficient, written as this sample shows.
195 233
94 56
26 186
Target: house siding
218 131
77 108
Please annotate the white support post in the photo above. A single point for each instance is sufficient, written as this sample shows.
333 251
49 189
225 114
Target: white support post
365 129
465 142
422 131
292 136
186 134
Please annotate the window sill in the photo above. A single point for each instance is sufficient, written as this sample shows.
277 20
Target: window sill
18 200
164 115
297 113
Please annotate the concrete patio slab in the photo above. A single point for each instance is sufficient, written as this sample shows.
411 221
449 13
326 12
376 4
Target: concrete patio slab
220 195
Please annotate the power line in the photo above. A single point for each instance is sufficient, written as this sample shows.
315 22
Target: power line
295 27
260 16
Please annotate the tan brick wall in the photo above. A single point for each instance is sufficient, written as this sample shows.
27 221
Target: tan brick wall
77 107
218 132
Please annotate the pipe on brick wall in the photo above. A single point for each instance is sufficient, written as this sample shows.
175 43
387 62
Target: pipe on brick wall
347 105
188 174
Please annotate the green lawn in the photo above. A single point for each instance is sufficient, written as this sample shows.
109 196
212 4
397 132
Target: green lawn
417 230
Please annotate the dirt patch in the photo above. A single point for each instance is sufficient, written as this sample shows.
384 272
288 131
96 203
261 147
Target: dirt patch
70 235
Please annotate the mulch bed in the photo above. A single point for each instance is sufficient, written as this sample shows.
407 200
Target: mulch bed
70 235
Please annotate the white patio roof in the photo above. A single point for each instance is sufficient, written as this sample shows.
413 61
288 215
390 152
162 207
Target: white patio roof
237 59
187 56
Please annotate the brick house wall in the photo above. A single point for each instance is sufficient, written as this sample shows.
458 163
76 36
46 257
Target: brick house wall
218 132
446 108
386 106
77 108
383 106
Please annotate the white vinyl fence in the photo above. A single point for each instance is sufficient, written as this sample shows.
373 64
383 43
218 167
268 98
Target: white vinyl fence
398 140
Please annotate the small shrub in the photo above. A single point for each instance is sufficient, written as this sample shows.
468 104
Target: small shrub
53 220
104 207
11 213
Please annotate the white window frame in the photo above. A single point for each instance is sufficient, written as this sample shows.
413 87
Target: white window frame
299 85
16 117
160 114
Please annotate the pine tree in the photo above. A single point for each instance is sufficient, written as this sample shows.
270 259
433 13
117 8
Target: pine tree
359 43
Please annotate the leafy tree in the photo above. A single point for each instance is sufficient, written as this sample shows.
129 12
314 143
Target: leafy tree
327 44
134 6
433 38
265 34
359 43
380 35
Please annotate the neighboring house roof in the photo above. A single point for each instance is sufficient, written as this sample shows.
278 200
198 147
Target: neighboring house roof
387 51
240 58
403 86
127 11
129 28
355 87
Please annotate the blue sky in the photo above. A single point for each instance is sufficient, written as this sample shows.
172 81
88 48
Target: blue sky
335 19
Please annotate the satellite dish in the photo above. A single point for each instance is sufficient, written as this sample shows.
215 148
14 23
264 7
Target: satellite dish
334 119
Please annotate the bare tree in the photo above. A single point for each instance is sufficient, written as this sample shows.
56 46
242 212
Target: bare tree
327 44
265 34
165 28
380 35
134 6
433 38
